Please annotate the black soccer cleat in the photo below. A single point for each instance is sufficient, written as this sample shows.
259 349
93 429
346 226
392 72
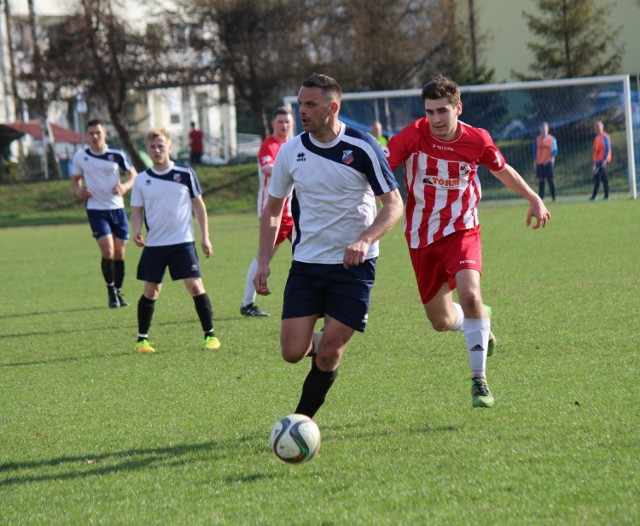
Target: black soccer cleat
253 311
122 302
114 302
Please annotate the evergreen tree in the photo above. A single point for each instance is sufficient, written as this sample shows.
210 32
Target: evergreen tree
573 40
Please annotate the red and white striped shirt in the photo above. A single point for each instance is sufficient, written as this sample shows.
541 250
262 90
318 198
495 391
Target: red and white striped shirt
443 189
266 159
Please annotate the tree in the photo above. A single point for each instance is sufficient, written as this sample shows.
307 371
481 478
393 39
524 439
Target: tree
256 47
573 40
266 48
458 49
373 45
96 51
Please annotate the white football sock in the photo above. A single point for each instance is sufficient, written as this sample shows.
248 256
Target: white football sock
476 334
457 326
249 289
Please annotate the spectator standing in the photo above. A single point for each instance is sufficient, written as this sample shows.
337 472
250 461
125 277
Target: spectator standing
376 131
601 158
195 145
545 150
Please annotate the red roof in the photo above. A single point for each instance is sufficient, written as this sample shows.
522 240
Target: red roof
60 134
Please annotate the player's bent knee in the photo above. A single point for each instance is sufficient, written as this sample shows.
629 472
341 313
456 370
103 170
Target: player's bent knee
441 324
292 356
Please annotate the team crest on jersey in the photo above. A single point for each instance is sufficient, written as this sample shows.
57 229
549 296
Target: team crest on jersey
347 156
465 170
177 178
111 158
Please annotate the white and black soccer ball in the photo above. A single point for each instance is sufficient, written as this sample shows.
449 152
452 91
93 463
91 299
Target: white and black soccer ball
295 438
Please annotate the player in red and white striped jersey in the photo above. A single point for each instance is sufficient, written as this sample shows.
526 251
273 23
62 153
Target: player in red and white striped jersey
441 155
282 124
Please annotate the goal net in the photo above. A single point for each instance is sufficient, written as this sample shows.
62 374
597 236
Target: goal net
513 112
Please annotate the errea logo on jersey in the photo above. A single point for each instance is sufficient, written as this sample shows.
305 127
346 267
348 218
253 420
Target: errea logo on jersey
301 157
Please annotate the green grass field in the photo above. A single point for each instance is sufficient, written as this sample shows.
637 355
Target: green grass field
92 433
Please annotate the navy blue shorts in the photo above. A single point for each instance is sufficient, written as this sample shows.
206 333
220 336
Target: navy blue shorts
181 259
109 222
341 293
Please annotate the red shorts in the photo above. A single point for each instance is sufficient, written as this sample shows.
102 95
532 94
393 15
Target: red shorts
286 230
438 263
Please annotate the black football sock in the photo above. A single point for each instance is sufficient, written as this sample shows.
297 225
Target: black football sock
118 273
315 389
108 271
205 313
145 314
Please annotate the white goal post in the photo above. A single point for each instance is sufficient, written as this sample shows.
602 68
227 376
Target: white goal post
512 113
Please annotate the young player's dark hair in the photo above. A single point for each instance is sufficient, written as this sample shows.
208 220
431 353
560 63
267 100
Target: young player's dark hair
281 110
441 87
94 122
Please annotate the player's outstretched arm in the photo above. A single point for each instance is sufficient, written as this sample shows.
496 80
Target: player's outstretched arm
269 225
509 177
200 211
136 226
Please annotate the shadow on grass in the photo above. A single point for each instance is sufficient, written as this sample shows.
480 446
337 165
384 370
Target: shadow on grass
102 328
139 459
48 312
118 462
68 359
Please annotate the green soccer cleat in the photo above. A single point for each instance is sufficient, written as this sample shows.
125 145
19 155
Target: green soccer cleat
211 343
144 347
492 339
492 344
480 394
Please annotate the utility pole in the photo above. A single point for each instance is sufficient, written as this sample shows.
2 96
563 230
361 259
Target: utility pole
17 103
4 72
472 38
41 103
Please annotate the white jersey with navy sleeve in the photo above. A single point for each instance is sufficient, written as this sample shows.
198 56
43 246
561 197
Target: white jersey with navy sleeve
334 187
101 172
166 197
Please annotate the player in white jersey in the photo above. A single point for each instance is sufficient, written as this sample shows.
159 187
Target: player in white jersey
282 124
440 155
165 197
99 167
336 173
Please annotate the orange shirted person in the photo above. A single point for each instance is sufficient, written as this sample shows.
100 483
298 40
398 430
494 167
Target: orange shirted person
601 158
545 150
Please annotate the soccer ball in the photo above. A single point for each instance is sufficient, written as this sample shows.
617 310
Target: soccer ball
295 438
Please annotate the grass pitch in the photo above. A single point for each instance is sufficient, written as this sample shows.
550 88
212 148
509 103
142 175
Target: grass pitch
91 432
